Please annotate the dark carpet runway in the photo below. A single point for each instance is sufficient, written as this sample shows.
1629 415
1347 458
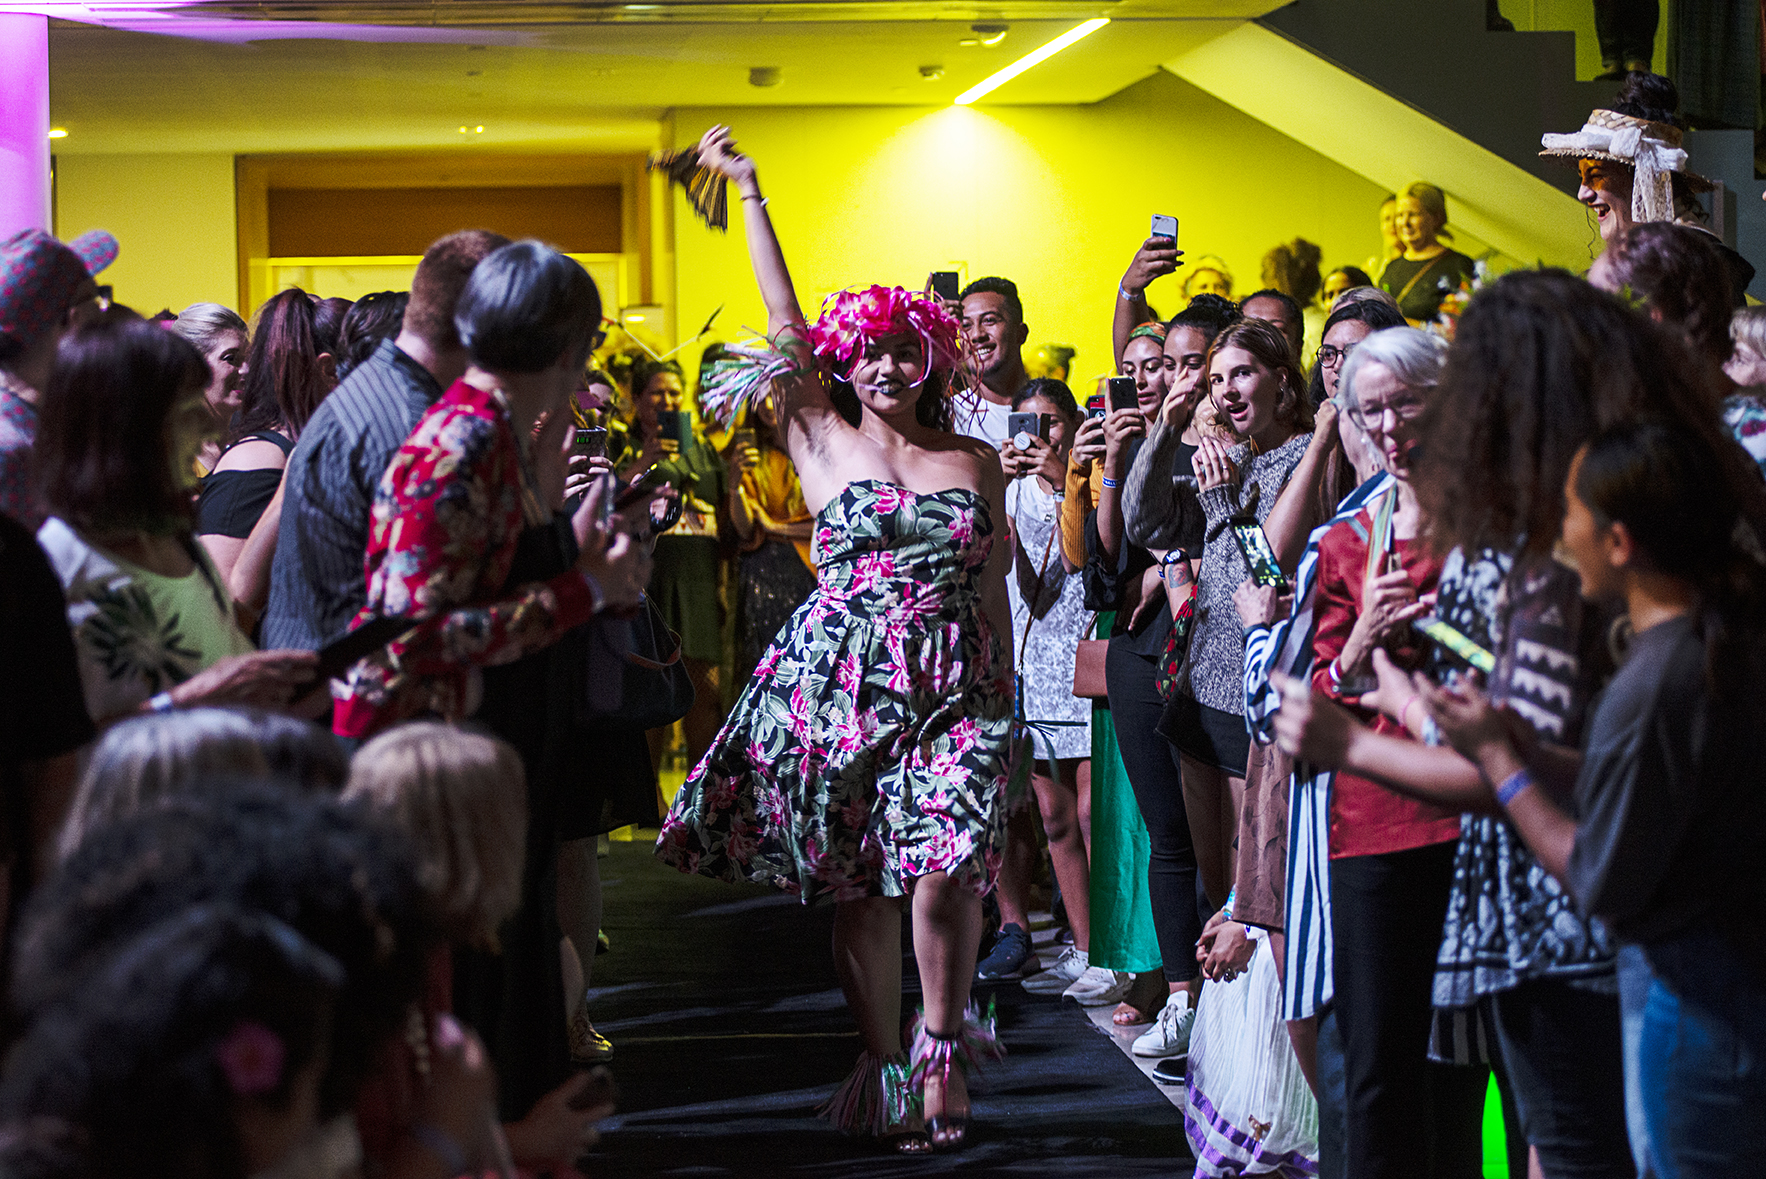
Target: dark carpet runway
730 1029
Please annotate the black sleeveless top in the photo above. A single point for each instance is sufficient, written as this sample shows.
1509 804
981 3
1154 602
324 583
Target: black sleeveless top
231 502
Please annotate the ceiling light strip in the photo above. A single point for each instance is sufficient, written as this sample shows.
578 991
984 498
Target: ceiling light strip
1035 57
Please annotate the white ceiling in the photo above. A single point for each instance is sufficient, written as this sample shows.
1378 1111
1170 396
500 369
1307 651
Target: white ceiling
598 83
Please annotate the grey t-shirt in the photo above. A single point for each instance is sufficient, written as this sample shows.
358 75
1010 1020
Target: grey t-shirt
1671 829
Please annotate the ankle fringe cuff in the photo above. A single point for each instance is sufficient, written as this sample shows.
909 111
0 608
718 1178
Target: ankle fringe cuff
874 1099
977 1040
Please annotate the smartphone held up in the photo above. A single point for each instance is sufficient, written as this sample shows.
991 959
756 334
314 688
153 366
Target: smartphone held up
1123 394
1023 429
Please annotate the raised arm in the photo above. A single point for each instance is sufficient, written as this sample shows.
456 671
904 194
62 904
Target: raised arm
1157 256
717 151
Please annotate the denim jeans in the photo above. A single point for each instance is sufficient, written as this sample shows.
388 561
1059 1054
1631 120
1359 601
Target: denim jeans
1634 984
1704 1060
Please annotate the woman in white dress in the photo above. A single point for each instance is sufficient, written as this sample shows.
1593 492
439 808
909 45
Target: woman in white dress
1048 616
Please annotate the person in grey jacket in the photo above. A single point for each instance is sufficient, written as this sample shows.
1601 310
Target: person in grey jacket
1255 392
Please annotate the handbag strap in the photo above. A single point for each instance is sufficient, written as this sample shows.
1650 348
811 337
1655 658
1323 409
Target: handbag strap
1379 540
1417 277
1030 606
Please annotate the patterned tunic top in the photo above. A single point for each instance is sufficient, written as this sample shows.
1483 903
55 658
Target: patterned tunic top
447 516
138 633
1508 919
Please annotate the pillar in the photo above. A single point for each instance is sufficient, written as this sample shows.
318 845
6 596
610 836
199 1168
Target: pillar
24 123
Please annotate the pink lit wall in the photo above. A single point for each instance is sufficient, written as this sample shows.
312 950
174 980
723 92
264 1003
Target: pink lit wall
24 123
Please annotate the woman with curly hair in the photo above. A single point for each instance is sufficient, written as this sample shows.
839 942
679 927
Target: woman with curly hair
866 761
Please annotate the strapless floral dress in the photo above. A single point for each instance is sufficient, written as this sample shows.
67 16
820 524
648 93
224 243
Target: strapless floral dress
870 747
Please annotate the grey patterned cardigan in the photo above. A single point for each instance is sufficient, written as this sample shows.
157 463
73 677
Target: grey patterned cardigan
1158 511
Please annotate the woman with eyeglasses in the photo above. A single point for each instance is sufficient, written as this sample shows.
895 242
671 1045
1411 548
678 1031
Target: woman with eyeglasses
1392 856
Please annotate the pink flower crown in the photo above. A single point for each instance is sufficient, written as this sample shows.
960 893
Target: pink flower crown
851 321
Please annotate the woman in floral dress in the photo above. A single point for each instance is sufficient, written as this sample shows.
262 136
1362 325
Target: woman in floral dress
866 761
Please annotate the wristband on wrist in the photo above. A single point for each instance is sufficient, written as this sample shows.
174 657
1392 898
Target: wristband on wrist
1124 292
757 197
1512 786
1109 482
1404 712
442 1145
161 703
1173 557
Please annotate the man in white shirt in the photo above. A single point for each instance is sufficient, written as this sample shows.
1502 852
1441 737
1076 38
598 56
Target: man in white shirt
994 332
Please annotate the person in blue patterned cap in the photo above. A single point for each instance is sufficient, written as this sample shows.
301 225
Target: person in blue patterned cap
46 286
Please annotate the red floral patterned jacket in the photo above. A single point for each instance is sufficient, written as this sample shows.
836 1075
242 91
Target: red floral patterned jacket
440 543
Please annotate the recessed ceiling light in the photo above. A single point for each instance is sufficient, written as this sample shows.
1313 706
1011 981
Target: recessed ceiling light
990 35
477 130
641 7
58 132
1034 57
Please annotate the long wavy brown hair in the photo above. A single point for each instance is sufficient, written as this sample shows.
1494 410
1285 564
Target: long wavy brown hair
1540 363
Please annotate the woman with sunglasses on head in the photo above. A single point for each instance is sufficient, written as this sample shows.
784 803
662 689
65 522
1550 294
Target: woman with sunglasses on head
866 762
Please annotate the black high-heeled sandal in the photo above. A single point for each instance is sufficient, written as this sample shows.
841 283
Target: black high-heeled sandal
876 1101
933 1052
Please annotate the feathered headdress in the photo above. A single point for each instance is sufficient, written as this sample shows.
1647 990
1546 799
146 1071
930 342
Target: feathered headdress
851 321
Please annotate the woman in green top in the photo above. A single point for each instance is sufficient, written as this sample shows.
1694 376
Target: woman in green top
1427 271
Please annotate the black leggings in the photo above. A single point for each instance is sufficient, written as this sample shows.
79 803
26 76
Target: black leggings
1408 1117
1152 766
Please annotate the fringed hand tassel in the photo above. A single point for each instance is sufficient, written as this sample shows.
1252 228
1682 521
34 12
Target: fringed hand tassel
875 1098
742 377
707 191
977 1040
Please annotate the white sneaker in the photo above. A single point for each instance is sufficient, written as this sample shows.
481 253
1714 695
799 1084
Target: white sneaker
1170 1033
1070 965
1097 987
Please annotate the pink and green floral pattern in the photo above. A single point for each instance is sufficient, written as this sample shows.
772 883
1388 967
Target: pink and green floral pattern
870 748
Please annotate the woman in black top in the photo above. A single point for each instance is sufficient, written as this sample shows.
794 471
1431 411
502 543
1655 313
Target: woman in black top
291 368
1427 271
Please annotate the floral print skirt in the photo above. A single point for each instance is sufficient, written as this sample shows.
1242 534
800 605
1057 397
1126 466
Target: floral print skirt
870 748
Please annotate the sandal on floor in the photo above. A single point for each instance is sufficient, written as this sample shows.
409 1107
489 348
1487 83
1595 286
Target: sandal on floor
876 1101
937 1054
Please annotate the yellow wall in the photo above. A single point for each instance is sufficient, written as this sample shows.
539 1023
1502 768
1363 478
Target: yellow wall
172 215
1054 198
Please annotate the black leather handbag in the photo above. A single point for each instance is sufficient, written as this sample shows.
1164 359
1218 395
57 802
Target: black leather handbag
636 678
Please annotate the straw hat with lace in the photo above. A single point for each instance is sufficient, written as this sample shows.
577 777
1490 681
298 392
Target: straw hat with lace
1650 148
